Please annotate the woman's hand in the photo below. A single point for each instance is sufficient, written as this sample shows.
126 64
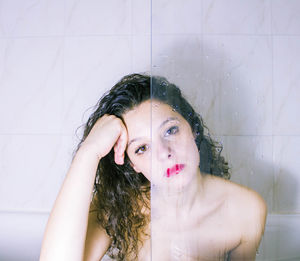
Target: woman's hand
109 131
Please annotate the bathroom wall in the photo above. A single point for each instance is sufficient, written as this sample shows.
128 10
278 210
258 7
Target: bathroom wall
237 61
56 60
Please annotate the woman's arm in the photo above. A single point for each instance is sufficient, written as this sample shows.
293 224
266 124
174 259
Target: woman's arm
97 241
65 233
253 216
66 228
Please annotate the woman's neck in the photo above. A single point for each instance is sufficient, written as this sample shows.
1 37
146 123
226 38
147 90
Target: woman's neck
177 204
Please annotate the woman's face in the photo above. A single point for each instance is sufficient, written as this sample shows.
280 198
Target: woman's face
161 145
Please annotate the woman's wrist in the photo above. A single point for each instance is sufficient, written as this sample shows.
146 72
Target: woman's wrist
89 150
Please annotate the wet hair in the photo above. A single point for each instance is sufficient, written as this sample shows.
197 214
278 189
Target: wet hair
119 192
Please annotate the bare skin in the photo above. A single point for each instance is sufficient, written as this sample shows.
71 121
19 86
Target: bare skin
224 223
197 217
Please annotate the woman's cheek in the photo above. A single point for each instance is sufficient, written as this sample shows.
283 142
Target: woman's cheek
145 167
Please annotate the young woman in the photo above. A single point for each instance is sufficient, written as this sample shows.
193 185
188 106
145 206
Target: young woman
144 134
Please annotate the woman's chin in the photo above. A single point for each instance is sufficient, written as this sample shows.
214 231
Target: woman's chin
172 184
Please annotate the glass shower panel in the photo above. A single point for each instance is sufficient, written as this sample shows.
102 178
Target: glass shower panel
186 214
213 92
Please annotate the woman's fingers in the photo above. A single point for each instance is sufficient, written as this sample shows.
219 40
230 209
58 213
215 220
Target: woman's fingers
107 133
116 155
120 146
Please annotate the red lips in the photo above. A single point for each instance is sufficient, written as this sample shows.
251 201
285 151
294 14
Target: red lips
174 170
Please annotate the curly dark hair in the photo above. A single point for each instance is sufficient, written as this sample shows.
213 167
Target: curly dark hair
119 192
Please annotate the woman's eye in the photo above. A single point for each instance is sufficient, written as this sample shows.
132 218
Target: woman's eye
171 131
141 149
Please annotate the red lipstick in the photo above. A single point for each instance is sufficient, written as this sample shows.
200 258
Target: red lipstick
174 170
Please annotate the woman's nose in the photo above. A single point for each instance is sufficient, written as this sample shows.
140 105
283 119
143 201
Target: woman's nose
164 151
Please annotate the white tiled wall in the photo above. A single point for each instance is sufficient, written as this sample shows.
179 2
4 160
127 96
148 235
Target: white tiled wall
237 62
236 17
56 60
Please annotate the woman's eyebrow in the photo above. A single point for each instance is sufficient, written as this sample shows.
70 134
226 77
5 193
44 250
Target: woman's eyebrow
161 125
133 140
167 120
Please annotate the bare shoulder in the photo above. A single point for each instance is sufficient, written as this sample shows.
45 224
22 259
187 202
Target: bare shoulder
246 210
248 204
243 204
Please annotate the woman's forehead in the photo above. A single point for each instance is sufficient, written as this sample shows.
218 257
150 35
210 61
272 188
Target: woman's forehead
148 116
149 111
